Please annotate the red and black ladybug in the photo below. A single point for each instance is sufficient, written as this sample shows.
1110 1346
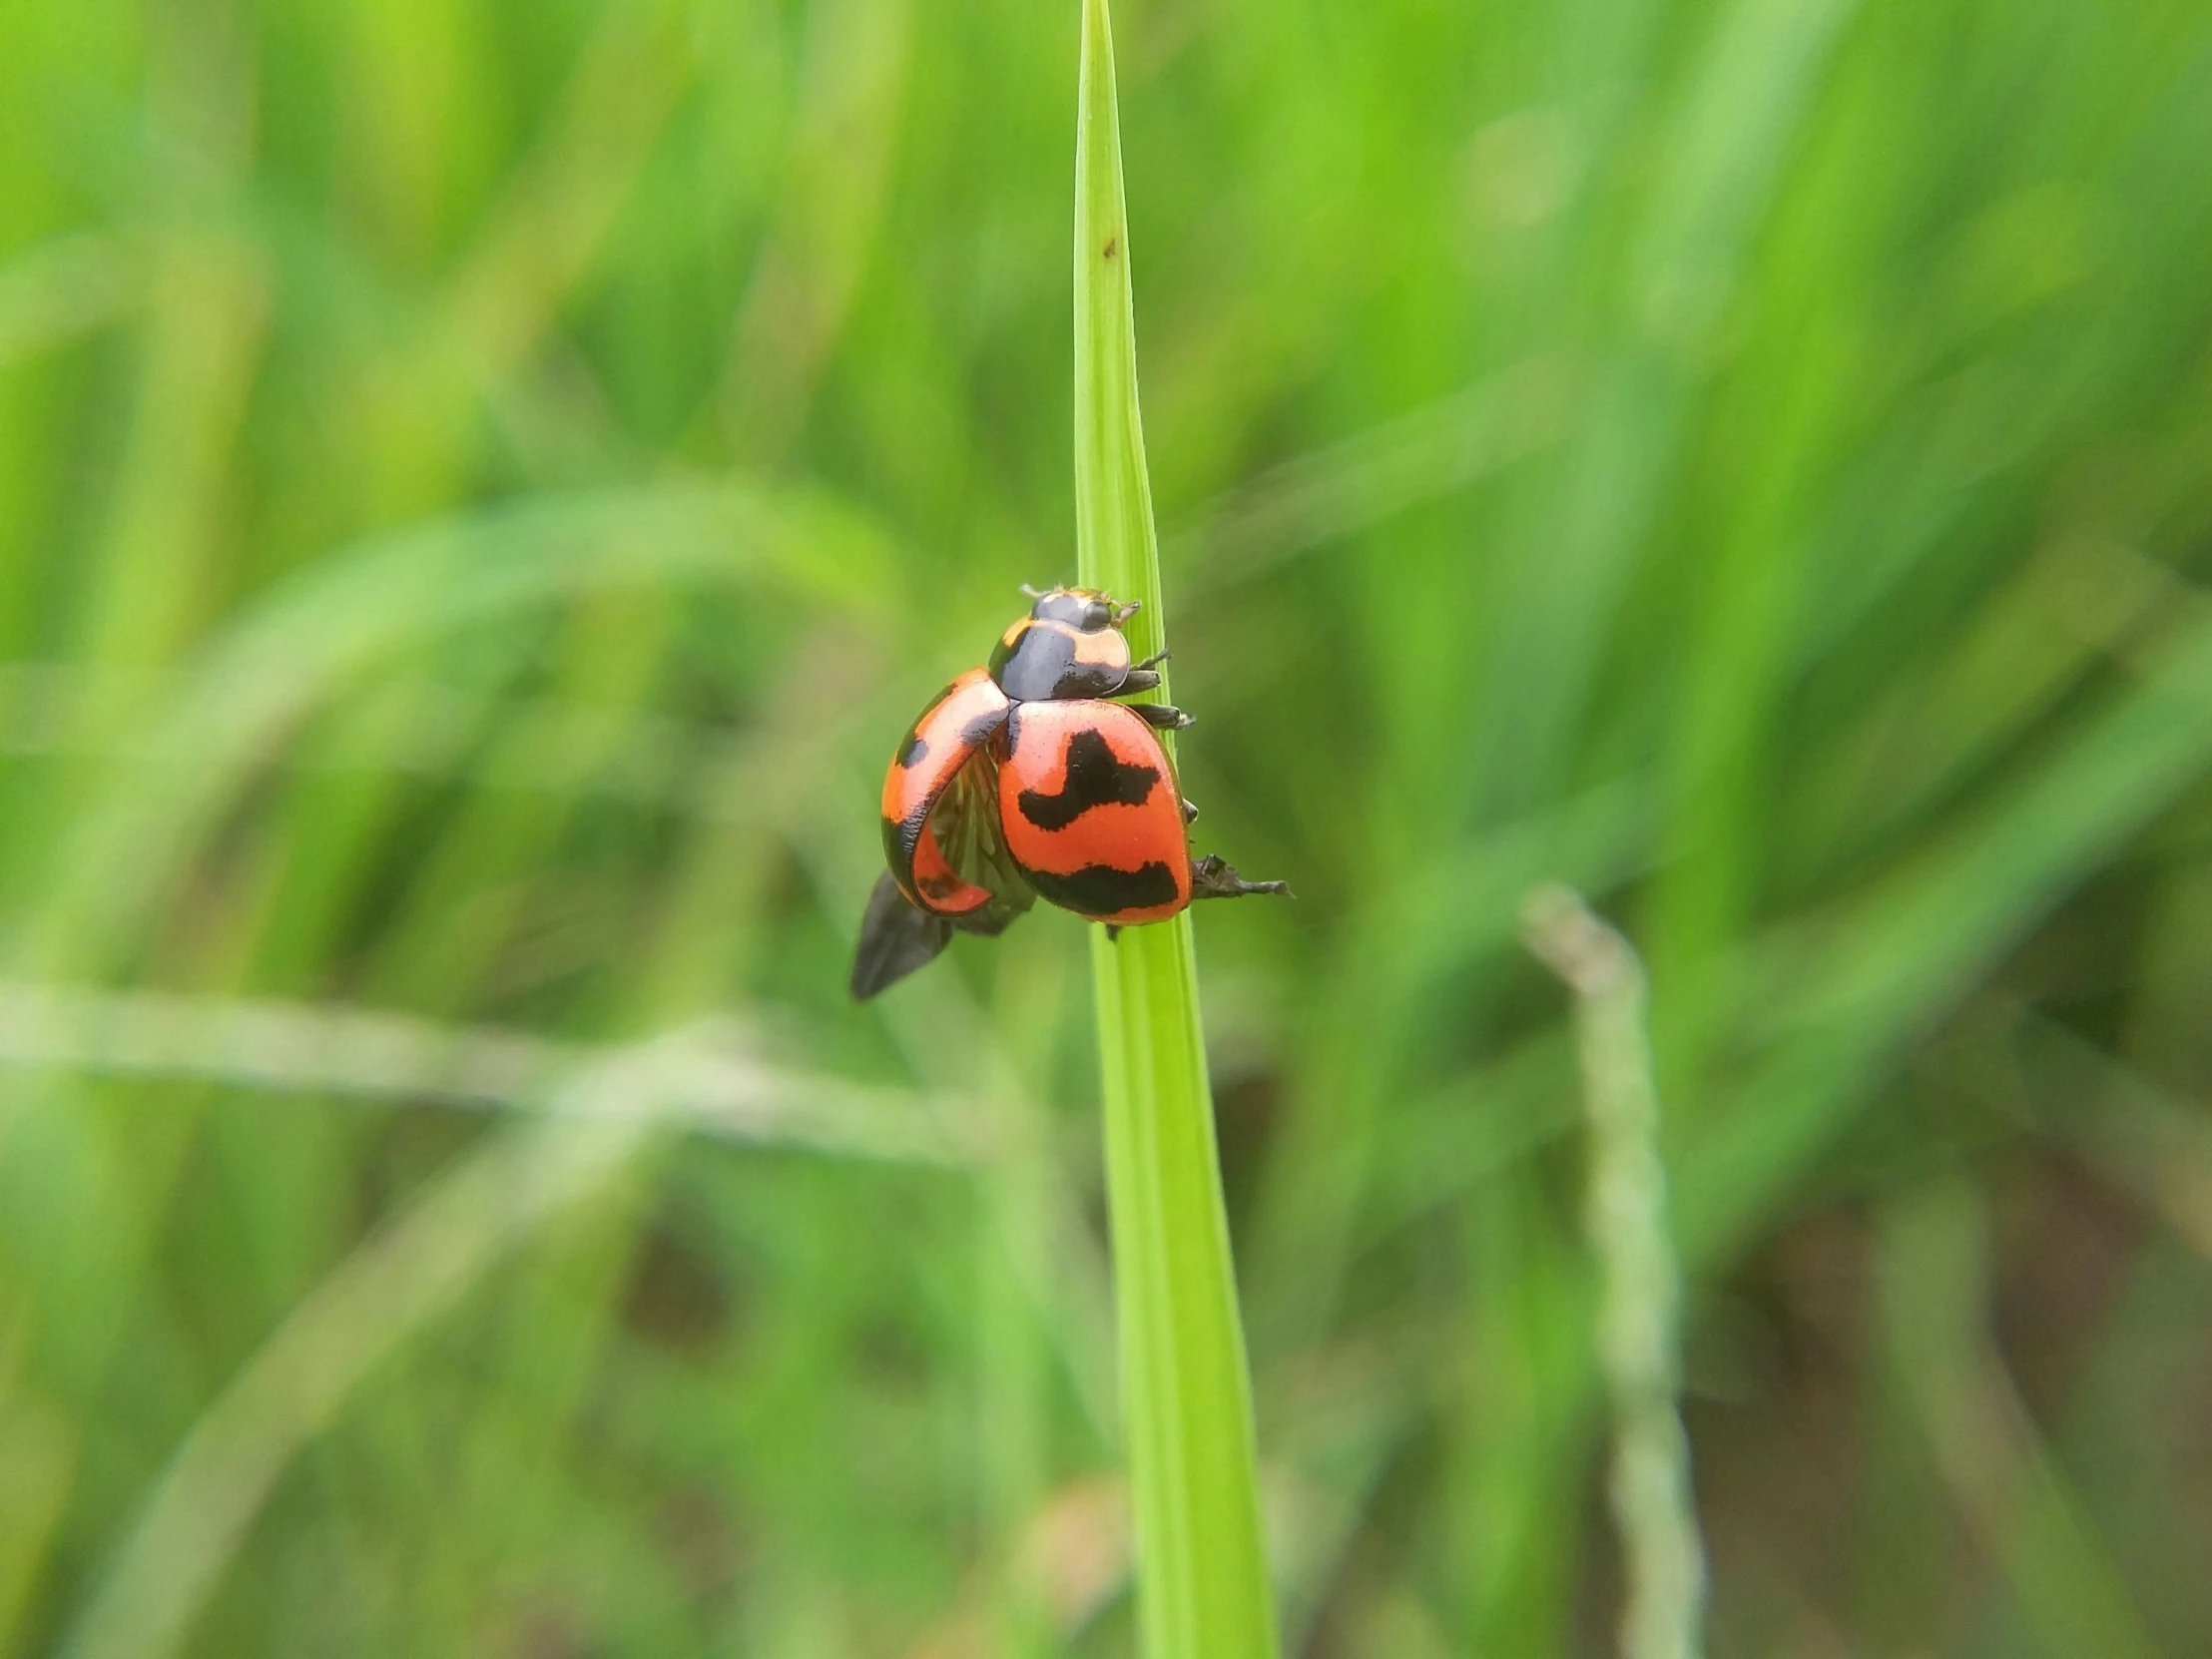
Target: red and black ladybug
1021 779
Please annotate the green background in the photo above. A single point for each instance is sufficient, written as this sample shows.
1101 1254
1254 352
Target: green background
483 488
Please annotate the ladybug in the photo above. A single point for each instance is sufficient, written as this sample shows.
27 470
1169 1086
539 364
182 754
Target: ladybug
1022 781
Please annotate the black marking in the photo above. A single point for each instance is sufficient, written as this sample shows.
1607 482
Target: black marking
1039 661
980 727
939 888
1095 778
1077 607
1102 891
973 730
1090 679
1031 670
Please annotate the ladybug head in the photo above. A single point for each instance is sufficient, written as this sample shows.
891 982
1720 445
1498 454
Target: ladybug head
1084 608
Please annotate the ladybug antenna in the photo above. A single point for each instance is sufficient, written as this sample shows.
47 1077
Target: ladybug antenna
1122 613
1030 591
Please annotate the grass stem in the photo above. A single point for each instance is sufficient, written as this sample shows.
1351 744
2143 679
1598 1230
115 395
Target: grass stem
1203 1590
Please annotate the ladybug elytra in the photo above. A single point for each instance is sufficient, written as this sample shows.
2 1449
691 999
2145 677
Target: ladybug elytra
1020 780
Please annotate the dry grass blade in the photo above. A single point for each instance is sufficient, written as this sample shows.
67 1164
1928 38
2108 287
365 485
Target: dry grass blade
1639 1311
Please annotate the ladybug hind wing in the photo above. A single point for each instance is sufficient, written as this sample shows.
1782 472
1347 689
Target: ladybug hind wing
896 937
969 830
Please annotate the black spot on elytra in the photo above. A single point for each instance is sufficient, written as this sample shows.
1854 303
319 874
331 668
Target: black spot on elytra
1102 891
1095 779
913 751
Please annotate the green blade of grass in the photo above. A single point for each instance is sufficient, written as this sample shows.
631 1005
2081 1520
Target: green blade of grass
1203 1588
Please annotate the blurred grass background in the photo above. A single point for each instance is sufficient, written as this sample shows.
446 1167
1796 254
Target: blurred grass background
483 484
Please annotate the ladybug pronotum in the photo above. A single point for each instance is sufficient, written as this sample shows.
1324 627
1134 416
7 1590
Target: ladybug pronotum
1020 780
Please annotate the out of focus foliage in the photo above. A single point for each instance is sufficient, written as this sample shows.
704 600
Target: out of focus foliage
482 485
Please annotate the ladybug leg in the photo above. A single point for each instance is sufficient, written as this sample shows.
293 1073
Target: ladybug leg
1190 811
1165 716
1213 876
1140 677
1142 674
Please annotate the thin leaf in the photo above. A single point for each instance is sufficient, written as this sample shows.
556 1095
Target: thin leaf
1201 1574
